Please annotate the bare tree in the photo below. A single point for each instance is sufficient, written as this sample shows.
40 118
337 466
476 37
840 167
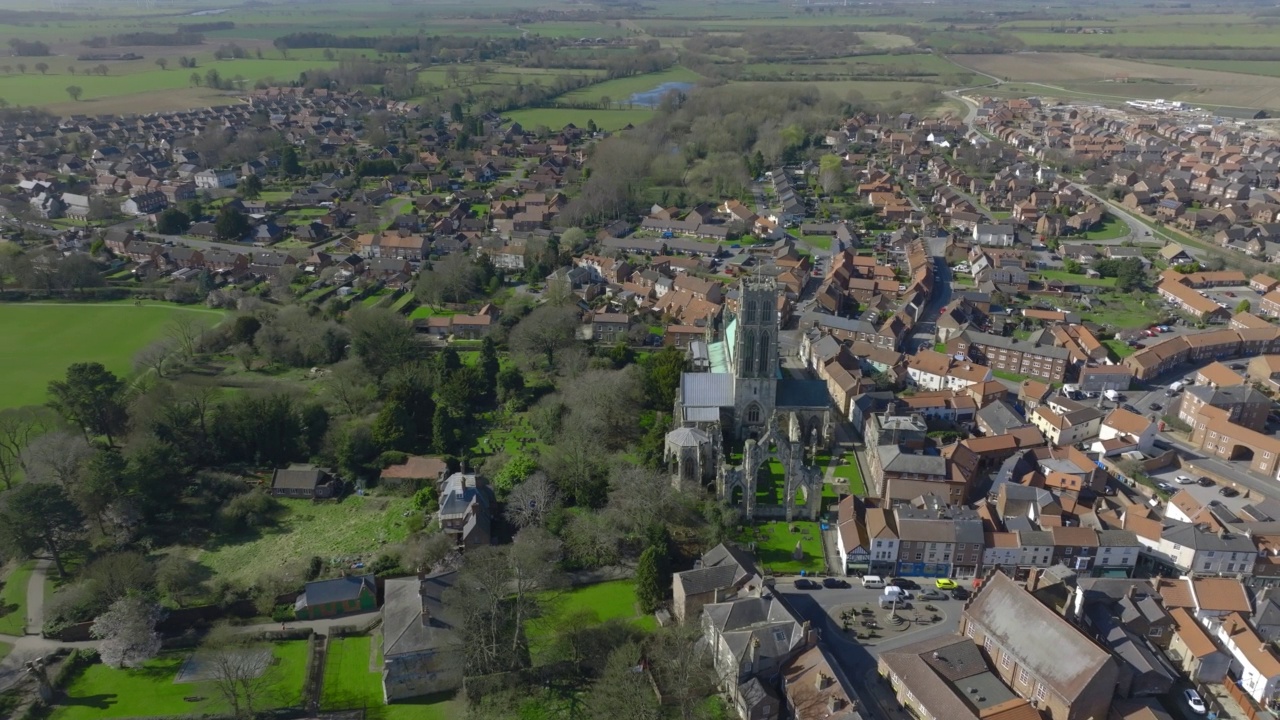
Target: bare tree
154 356
351 386
55 457
179 578
531 501
187 331
18 427
453 279
682 668
128 632
242 670
640 498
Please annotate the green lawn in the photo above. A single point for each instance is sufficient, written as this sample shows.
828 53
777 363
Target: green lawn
1067 277
1119 348
770 483
13 600
104 692
1006 375
5 649
426 311
775 546
41 340
350 681
852 474
620 91
556 118
589 604
357 526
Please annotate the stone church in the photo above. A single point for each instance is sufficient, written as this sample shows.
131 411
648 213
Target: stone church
746 400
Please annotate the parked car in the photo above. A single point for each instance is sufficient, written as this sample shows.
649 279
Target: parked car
960 594
904 583
933 595
806 584
1155 406
1228 492
1130 408
945 584
1166 487
1193 701
834 583
1204 481
1184 480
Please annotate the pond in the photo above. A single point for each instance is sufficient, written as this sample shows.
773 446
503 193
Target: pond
651 98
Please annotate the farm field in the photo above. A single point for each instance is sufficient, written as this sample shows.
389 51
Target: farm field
1188 33
556 118
43 339
103 692
1086 75
355 527
46 90
1269 68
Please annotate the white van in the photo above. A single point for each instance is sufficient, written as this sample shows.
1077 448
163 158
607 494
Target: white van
875 582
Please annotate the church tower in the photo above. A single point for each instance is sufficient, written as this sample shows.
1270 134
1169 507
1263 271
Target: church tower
755 355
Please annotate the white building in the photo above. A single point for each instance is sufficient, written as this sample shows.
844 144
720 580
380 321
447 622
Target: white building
1121 423
1258 667
215 178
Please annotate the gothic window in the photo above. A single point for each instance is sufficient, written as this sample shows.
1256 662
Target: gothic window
748 352
753 414
751 312
764 354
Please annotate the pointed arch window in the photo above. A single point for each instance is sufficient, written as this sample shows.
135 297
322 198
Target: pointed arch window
751 312
764 354
748 352
753 414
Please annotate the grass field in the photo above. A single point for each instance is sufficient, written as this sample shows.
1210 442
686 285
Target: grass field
851 473
1119 348
355 527
353 679
149 691
41 340
620 91
585 604
142 76
1112 228
13 600
775 546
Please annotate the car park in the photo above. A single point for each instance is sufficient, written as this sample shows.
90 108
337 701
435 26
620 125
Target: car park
834 583
1194 701
806 584
1228 492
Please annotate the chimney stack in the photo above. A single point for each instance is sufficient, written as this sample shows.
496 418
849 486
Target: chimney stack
823 680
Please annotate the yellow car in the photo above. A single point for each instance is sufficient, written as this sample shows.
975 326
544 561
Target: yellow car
945 584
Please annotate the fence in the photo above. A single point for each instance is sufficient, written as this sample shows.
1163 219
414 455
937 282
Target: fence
1246 703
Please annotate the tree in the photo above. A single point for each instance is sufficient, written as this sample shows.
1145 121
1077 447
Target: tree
243 672
531 502
37 516
488 368
681 667
213 79
195 79
172 221
75 91
231 225
163 63
648 590
154 356
662 377
1072 266
289 161
42 67
179 578
381 339
623 691
92 398
55 457
186 332
22 68
251 188
18 427
348 384
454 278
128 632
544 332
1243 306
831 174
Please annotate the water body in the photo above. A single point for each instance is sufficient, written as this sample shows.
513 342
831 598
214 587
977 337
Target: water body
208 12
651 98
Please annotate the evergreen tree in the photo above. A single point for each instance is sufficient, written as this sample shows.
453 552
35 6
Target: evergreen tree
648 589
488 369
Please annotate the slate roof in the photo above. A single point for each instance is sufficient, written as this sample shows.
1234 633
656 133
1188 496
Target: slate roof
404 631
794 393
1038 638
706 390
343 589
